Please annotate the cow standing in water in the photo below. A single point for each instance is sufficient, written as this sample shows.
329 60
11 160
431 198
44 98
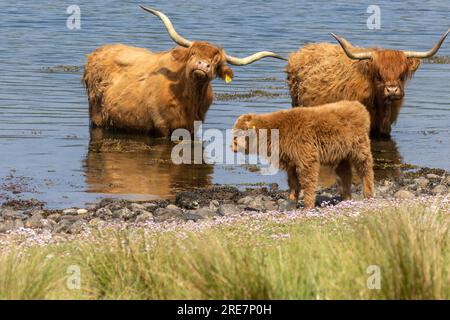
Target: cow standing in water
133 89
323 73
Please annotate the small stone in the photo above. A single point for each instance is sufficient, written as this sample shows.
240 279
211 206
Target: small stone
96 222
214 205
403 194
82 211
47 224
171 212
103 213
35 221
70 218
433 176
286 205
76 228
447 181
71 211
422 182
54 216
228 209
191 216
150 206
137 207
246 200
205 212
440 189
270 205
124 213
144 217
8 213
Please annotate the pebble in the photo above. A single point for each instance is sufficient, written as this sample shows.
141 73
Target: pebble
228 209
404 194
422 182
440 189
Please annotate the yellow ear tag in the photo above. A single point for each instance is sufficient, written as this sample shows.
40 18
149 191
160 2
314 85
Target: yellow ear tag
228 78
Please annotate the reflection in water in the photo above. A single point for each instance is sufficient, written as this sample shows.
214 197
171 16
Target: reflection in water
141 166
387 163
138 165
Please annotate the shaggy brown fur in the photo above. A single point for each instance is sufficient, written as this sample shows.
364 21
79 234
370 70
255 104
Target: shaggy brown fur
133 89
334 135
322 73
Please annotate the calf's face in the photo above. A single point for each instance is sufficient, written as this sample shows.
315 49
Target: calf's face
244 134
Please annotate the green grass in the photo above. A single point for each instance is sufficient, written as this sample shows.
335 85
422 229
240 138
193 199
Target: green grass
322 258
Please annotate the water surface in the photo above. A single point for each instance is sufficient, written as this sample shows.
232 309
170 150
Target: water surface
44 125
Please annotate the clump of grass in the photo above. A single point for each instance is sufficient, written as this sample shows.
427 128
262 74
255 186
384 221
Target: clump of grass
34 274
308 258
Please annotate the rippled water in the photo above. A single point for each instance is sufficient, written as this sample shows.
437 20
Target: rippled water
44 127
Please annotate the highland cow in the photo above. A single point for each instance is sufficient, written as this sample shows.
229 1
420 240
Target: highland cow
334 135
324 73
133 89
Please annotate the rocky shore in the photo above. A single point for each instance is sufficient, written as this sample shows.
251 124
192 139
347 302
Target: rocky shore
198 205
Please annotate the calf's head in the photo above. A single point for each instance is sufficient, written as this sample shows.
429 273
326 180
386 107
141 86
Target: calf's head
389 69
205 61
245 135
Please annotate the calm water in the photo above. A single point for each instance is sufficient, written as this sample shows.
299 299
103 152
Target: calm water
44 127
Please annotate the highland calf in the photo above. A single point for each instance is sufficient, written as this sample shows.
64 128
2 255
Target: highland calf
334 135
133 89
324 73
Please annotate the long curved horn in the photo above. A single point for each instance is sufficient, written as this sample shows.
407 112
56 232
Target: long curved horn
170 28
352 55
186 43
427 54
254 57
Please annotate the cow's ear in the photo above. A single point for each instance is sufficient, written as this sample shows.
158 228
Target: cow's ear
225 72
413 65
180 54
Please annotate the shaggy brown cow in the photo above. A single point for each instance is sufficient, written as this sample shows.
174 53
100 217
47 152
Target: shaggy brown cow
323 73
334 135
134 89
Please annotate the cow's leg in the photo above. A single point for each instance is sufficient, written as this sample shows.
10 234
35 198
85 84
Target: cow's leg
294 187
363 164
309 177
344 175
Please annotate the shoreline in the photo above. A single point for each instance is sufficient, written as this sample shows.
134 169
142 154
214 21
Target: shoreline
28 222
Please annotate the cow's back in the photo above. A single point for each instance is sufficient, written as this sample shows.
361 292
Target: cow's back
322 73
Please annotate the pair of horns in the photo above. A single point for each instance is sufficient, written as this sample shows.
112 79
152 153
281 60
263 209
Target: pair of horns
369 55
186 43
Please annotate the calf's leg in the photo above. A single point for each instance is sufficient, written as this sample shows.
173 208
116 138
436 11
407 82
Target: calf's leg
363 164
344 174
309 177
294 187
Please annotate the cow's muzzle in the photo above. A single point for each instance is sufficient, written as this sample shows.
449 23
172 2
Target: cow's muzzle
393 92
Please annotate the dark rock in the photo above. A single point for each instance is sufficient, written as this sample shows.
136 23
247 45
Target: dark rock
169 213
124 213
104 213
144 217
9 213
